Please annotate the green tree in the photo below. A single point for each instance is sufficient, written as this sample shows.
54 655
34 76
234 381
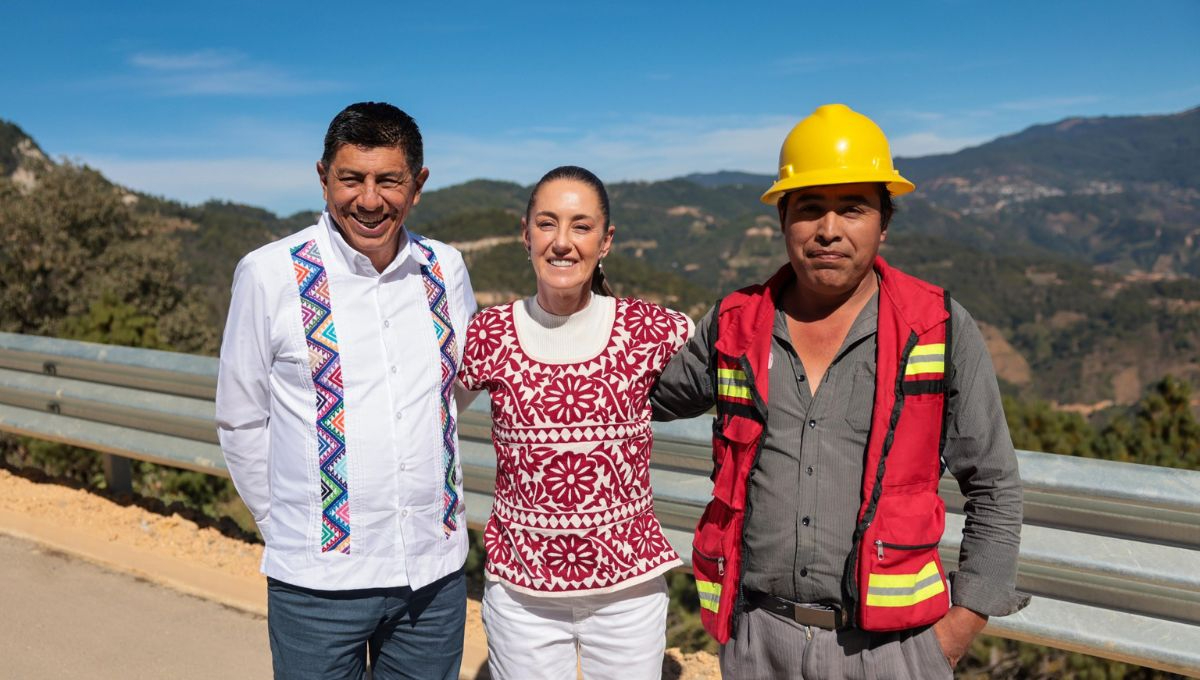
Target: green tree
1037 427
1160 430
75 258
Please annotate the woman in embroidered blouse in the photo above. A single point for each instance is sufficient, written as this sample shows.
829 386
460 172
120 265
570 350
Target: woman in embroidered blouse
575 555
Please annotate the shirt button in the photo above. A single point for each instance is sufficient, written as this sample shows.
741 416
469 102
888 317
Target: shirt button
806 521
804 572
399 415
801 378
403 467
809 470
404 512
812 424
394 369
387 324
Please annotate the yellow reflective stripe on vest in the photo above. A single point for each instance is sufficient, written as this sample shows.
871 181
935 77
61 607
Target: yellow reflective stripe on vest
710 595
926 359
903 590
732 382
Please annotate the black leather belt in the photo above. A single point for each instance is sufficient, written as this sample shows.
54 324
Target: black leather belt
829 617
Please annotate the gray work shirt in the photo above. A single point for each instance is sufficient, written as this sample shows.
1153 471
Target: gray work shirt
805 488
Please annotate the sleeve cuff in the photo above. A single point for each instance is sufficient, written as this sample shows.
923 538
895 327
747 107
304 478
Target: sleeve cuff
984 597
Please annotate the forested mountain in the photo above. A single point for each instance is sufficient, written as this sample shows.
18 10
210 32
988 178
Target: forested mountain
1119 192
1073 244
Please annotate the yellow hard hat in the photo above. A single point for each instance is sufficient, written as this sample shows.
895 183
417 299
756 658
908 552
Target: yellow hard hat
835 145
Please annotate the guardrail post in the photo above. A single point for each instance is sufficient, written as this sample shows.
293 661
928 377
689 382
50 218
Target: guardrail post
117 474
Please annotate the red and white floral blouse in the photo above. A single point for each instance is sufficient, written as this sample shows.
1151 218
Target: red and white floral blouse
573 510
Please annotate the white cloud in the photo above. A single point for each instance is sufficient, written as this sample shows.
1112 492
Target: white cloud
644 148
804 64
186 61
283 185
928 143
271 172
211 73
915 114
1048 103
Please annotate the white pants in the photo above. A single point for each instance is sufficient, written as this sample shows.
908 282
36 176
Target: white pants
617 636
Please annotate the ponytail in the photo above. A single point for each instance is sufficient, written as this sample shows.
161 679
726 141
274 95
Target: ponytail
600 281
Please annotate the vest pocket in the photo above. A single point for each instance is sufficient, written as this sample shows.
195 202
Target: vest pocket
916 443
725 463
902 583
711 553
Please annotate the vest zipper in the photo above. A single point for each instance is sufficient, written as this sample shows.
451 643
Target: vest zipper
850 577
719 560
739 600
880 545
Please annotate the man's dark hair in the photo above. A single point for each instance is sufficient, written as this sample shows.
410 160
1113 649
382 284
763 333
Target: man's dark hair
369 125
887 207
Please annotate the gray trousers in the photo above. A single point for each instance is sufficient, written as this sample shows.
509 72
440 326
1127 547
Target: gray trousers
769 647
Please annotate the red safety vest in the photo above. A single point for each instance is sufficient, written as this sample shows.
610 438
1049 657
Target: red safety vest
894 579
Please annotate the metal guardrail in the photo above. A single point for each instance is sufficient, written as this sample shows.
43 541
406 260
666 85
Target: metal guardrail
1111 551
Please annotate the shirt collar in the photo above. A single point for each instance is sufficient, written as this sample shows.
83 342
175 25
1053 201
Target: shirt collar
865 324
360 264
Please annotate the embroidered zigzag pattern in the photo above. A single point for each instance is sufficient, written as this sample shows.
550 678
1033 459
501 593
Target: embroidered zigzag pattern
567 435
435 291
316 313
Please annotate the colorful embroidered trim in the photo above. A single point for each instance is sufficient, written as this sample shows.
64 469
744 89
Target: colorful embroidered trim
435 290
316 313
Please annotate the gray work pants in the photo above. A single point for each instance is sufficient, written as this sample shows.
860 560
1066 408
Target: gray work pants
769 647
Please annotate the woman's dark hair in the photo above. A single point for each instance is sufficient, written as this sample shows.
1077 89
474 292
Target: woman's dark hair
574 172
370 125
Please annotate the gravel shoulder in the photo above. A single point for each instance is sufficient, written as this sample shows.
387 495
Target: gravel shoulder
193 558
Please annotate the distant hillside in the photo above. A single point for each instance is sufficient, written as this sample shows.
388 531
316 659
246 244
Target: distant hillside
1086 287
1073 156
729 178
18 152
1087 291
1119 192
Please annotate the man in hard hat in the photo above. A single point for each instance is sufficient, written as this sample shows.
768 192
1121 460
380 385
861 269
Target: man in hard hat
842 386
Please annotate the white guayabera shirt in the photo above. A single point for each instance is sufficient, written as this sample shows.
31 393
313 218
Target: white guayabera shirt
381 523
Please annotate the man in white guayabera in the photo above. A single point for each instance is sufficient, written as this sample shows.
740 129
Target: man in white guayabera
336 414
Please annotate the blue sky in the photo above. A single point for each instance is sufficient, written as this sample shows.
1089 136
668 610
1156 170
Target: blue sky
230 100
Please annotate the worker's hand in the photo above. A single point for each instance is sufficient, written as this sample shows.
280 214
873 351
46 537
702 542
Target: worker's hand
956 630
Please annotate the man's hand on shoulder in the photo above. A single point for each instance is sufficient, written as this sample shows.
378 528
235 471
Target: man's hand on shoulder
956 630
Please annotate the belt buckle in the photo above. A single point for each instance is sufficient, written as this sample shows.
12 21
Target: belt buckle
827 617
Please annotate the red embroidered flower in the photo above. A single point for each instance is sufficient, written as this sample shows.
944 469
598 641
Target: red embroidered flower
570 478
645 537
484 336
571 557
498 549
645 324
567 399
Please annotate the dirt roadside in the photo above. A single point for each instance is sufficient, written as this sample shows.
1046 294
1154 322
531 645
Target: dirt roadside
198 560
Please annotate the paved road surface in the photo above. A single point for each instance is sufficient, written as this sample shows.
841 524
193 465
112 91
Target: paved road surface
64 618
